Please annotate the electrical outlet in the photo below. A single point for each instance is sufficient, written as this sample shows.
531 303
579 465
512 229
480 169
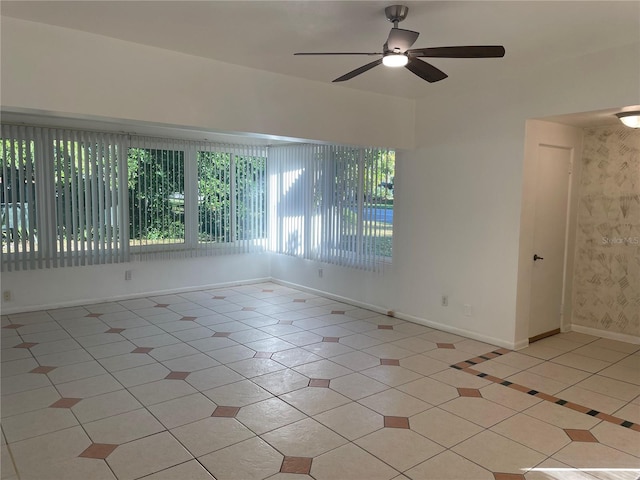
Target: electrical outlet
320 273
445 301
127 274
6 296
468 310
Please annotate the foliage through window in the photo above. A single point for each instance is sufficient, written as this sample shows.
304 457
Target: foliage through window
156 196
192 198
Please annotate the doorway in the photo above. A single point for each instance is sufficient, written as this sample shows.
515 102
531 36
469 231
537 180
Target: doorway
547 230
549 240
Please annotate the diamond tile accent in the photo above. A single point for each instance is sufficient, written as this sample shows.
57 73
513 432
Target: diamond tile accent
319 382
299 465
263 355
469 392
13 326
331 339
26 345
264 290
98 450
142 350
390 361
115 330
177 375
248 309
188 319
218 297
509 476
446 345
93 315
221 334
42 369
299 300
396 422
580 435
65 403
161 305
337 312
385 327
227 412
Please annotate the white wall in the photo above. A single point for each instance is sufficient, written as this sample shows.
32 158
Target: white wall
460 211
67 71
55 287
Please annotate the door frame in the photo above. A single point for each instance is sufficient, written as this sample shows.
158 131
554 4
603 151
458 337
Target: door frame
540 133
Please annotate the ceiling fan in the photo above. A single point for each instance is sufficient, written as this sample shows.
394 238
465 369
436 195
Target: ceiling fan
397 51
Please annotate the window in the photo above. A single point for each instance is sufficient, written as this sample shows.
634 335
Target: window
232 198
332 204
156 196
194 198
73 197
60 197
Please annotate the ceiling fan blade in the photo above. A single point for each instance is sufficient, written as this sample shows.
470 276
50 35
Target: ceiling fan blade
401 40
425 70
477 51
338 53
358 71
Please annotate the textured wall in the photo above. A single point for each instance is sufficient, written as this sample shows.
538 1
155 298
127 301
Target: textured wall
607 263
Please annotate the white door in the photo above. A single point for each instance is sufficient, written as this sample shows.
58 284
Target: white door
549 239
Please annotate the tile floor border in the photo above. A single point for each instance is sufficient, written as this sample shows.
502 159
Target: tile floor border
466 366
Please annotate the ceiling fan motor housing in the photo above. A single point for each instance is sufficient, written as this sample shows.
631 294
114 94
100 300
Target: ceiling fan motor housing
396 13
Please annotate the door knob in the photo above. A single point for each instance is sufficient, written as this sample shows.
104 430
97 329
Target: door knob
536 257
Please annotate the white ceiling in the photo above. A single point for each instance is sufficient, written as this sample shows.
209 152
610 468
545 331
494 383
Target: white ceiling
265 34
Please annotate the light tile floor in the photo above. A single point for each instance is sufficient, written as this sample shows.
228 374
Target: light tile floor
264 381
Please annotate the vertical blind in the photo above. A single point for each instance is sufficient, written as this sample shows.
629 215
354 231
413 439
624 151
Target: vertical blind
72 197
60 200
325 202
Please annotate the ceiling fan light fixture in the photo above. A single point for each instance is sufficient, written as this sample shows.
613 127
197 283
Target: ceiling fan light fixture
630 119
395 60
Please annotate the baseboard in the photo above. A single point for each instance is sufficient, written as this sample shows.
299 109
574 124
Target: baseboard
410 318
456 331
375 308
337 298
129 296
621 337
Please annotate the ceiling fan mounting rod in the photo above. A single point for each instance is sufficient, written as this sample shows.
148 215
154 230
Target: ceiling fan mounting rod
396 13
